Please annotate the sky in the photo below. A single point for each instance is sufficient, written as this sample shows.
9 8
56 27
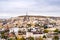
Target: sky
12 8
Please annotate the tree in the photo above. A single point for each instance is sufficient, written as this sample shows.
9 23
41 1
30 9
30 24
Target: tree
4 35
37 25
46 31
45 26
29 30
56 30
59 32
55 38
22 38
30 38
29 25
40 38
44 36
12 38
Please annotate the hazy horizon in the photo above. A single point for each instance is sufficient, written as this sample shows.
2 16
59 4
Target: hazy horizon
13 8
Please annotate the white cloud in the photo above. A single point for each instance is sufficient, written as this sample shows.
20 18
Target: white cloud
36 7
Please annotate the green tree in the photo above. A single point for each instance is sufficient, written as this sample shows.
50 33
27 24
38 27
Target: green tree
46 31
55 38
37 25
13 38
4 35
45 26
29 25
22 38
30 38
59 32
56 30
44 36
40 38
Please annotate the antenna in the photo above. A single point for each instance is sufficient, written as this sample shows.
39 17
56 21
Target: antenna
27 12
26 16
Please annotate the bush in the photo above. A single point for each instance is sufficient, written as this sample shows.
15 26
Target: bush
11 38
30 38
46 31
44 36
56 30
45 26
22 38
55 38
37 25
29 25
59 32
40 38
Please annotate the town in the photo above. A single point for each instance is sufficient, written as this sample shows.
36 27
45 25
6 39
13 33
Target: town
28 27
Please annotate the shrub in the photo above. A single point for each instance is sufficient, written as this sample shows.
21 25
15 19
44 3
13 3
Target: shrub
30 38
46 31
56 30
44 36
40 38
55 38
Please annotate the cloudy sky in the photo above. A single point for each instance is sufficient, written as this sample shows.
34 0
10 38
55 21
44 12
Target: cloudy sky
32 7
